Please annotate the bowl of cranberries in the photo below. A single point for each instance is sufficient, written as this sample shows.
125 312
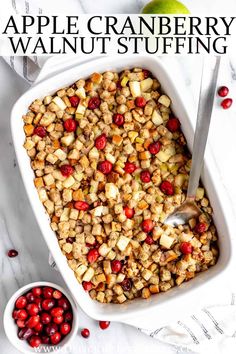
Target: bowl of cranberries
40 314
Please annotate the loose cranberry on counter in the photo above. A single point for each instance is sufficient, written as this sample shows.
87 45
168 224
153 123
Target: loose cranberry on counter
167 188
200 228
68 317
149 240
30 297
105 167
70 125
35 341
85 333
12 253
55 338
74 101
48 304
45 318
116 266
186 248
147 225
38 327
118 119
173 125
104 324
33 321
20 323
40 131
100 142
80 205
226 103
64 303
92 255
87 285
25 333
223 91
32 309
21 314
146 73
57 294
67 170
154 148
129 212
140 102
126 284
21 302
51 329
37 291
94 103
65 328
145 176
57 311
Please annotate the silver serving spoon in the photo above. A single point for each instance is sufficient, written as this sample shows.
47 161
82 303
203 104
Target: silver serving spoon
189 209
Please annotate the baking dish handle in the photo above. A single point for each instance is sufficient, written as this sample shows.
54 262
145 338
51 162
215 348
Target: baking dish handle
55 64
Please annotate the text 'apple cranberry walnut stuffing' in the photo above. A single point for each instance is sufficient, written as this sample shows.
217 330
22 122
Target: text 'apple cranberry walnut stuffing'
110 163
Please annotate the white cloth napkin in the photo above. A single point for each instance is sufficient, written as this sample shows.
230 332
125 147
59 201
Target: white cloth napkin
211 329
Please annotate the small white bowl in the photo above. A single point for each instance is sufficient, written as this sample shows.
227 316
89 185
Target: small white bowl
11 328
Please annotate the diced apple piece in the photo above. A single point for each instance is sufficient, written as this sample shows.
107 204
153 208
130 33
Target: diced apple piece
81 270
146 84
60 103
199 193
80 109
111 191
80 92
104 250
68 139
135 88
166 241
164 100
68 182
156 118
60 154
122 243
179 180
74 154
93 153
89 274
164 155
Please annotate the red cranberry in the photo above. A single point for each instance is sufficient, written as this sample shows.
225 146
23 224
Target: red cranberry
167 188
14 314
35 341
67 170
33 321
47 292
147 225
105 167
92 255
40 131
21 314
186 248
87 285
57 294
70 125
64 303
154 148
32 309
85 333
200 228
38 327
57 311
146 73
20 323
140 102
100 142
104 324
25 333
80 205
226 103
48 304
45 339
58 319
51 329
21 302
68 317
74 101
118 119
55 338
173 125
69 240
38 302
129 167
223 91
45 318
65 328
12 253
118 85
37 291
116 266
145 176
149 240
129 212
30 297
126 284
94 103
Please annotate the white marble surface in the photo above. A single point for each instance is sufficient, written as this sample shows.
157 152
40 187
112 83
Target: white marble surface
23 232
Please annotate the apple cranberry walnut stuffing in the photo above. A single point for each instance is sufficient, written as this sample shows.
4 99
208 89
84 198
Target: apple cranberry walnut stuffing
110 163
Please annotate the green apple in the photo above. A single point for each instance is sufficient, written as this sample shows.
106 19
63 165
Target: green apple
165 7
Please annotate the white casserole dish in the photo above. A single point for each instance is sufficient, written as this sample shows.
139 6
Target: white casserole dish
165 306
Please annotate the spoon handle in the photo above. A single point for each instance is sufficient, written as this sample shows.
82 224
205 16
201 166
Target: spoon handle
205 106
